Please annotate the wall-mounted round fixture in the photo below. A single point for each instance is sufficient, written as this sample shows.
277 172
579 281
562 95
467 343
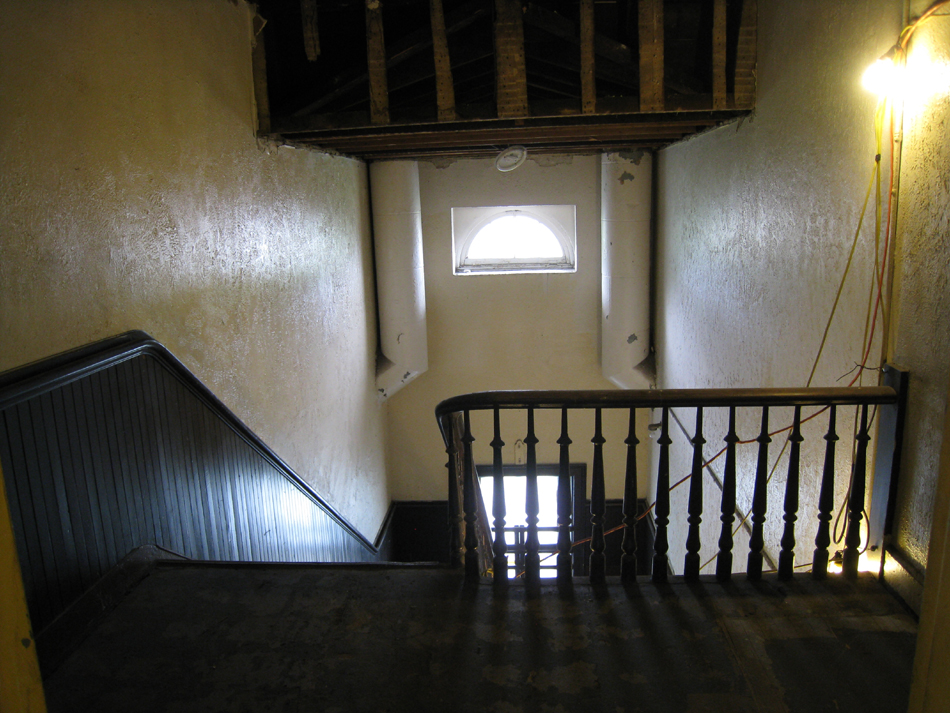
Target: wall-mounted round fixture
511 158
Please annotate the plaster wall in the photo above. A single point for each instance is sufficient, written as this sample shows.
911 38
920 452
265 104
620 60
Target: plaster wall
920 333
755 221
491 332
134 194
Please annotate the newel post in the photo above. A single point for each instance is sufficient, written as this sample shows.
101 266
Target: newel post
890 437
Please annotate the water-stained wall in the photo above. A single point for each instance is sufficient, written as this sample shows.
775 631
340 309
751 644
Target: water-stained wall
755 222
134 195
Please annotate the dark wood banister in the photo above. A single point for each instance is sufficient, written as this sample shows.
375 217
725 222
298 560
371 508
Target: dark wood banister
672 398
686 398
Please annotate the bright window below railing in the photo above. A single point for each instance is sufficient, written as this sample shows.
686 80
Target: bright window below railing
515 520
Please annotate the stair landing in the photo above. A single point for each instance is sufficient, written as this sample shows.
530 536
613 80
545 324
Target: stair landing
221 637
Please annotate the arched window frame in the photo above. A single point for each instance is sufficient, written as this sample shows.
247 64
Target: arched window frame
468 222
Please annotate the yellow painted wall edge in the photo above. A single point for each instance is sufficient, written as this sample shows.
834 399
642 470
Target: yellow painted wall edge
21 687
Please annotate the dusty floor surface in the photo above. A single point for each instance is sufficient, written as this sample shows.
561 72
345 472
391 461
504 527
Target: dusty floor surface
194 637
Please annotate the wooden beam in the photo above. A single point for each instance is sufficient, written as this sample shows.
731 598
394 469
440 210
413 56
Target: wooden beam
603 70
745 56
511 86
651 55
719 54
311 34
401 78
579 133
588 80
444 88
376 63
259 73
402 50
559 26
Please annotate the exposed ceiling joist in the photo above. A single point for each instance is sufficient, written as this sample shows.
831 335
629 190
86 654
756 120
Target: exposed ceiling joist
587 132
465 77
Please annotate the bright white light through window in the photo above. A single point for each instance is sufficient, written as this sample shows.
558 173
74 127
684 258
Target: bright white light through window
515 236
514 239
516 514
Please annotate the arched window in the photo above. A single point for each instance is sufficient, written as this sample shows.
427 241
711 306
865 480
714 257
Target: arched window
513 239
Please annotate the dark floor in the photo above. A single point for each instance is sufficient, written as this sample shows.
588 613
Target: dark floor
196 637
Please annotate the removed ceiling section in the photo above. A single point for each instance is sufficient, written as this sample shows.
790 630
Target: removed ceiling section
625 203
400 277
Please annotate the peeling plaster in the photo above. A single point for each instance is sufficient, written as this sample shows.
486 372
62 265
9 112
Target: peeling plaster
549 160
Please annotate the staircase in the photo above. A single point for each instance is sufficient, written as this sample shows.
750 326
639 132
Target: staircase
116 447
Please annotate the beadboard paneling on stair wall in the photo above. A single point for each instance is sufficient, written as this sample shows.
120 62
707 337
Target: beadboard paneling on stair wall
135 453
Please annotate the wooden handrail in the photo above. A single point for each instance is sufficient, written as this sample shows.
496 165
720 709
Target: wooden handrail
671 398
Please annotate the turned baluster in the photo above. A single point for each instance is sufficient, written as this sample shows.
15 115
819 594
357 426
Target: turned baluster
469 502
759 501
628 561
532 545
728 508
826 502
695 506
500 561
565 505
852 539
786 558
598 507
661 511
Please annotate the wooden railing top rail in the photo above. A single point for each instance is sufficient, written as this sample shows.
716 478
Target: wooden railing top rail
657 398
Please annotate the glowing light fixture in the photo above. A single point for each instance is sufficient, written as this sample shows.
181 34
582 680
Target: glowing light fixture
913 79
883 76
909 74
865 563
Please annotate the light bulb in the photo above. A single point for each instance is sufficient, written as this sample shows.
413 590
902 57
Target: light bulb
912 80
882 77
